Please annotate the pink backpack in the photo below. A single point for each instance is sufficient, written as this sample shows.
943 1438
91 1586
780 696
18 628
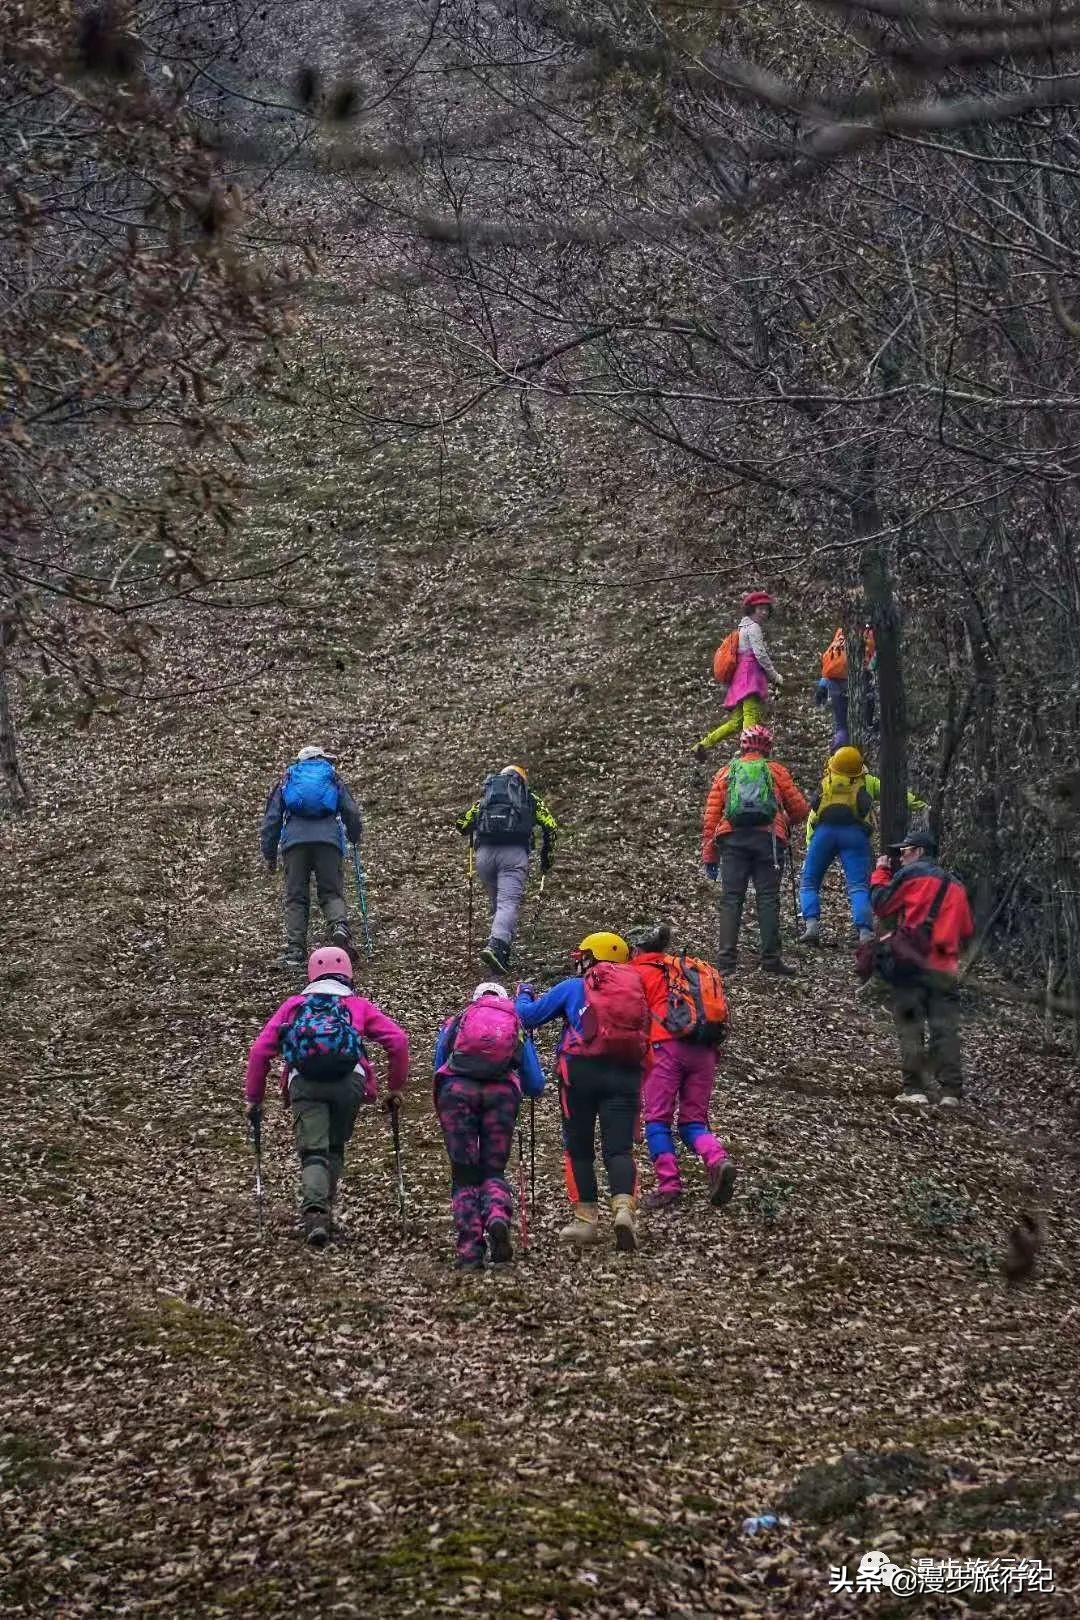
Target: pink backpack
487 1043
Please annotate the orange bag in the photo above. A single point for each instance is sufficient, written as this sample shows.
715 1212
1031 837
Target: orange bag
697 1008
834 659
725 658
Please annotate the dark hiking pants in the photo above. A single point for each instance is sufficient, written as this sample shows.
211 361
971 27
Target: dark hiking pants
300 861
749 853
594 1092
930 1004
323 1116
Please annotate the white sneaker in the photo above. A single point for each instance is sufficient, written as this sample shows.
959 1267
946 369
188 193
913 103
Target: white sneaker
911 1098
949 1102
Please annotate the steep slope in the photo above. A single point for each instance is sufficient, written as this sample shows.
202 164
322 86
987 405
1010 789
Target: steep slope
200 1423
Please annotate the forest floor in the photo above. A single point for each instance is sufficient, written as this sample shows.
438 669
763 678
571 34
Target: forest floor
201 1422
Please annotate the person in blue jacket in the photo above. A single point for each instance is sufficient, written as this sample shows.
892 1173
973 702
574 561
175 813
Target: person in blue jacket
483 1067
309 814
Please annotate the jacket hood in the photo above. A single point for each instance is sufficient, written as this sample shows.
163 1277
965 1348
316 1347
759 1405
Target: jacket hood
328 987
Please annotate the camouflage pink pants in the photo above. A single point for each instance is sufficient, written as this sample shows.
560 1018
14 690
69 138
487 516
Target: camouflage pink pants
477 1119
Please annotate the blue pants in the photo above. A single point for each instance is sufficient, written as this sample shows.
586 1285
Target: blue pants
851 846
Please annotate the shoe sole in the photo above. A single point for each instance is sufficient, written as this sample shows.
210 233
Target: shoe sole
318 1239
724 1190
625 1238
489 959
499 1239
661 1203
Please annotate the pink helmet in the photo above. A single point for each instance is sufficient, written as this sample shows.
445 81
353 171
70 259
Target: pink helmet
756 737
330 962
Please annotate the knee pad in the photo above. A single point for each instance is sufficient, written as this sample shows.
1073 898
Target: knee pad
690 1132
465 1175
658 1138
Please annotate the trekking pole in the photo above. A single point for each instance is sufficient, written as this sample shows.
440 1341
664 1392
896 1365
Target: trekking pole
255 1132
539 901
532 1157
794 893
361 894
395 1131
472 884
523 1218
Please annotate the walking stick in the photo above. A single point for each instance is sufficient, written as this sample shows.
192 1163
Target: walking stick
255 1132
794 893
539 901
395 1131
523 1218
472 884
361 894
532 1157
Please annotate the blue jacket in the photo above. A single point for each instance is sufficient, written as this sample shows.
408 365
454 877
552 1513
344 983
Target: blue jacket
530 1075
565 999
281 829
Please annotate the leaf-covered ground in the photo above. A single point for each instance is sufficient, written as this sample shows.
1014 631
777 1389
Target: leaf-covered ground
197 1423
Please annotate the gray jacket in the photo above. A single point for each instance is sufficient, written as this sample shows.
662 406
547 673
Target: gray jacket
282 830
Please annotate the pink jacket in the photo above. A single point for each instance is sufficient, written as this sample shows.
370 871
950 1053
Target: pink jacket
370 1023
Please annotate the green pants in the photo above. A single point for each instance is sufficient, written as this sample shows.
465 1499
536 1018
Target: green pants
750 712
930 1003
323 1116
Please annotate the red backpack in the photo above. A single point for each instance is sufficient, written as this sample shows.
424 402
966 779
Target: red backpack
487 1041
725 659
615 1019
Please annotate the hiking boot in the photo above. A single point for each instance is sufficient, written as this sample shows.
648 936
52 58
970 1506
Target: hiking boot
811 934
726 965
949 1099
316 1228
294 958
341 936
622 1208
662 1198
911 1097
496 953
499 1243
779 969
864 936
584 1230
722 1183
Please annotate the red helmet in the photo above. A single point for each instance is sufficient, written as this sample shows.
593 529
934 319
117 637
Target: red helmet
756 737
329 962
754 599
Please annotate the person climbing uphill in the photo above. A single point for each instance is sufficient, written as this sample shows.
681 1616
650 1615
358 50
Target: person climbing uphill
689 1020
918 955
309 815
752 806
833 687
326 1075
840 828
483 1064
753 671
600 1063
500 826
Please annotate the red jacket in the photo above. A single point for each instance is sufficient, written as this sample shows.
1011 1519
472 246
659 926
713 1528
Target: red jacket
648 965
908 896
793 808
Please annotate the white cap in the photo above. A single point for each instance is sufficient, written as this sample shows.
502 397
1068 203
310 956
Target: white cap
311 752
490 988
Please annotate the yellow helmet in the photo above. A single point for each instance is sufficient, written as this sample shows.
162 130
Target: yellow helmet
848 761
522 772
605 947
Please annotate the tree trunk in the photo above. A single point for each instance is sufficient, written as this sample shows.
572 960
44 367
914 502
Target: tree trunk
986 806
892 707
17 791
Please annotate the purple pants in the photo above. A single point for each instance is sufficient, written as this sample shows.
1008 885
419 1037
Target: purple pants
680 1080
477 1119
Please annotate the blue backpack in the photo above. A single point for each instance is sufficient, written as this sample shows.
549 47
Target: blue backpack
310 789
322 1043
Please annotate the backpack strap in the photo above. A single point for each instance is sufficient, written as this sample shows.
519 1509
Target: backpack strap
938 901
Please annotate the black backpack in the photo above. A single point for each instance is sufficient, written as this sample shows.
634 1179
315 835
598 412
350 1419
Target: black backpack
506 813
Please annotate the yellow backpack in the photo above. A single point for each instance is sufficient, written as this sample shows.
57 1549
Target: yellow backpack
844 800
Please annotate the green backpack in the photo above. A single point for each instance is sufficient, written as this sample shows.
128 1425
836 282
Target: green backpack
751 794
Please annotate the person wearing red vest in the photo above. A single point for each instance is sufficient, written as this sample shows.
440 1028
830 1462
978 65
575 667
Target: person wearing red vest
906 897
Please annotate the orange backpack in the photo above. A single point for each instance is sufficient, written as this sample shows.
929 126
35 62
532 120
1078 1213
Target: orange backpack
834 659
725 658
697 1008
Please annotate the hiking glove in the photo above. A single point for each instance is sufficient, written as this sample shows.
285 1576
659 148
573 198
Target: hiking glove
711 870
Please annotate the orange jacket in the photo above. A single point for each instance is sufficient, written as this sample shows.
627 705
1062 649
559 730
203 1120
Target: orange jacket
793 808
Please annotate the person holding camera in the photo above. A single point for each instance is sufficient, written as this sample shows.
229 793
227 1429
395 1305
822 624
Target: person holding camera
927 923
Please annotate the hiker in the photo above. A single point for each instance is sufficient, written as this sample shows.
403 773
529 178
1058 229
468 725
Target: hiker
500 829
689 1020
483 1064
931 923
600 1062
752 806
309 815
325 1076
753 671
840 828
832 688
